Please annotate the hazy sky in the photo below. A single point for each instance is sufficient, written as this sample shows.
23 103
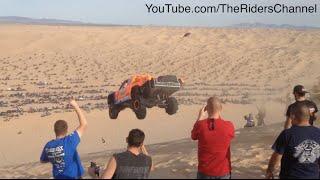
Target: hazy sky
134 12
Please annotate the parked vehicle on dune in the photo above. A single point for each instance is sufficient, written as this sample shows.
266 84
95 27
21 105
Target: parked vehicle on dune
144 91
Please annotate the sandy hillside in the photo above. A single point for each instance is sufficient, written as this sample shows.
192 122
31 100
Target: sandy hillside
43 66
251 151
105 134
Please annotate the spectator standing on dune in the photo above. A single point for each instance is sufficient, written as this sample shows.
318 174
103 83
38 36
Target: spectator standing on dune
214 136
250 120
134 163
299 93
297 147
62 151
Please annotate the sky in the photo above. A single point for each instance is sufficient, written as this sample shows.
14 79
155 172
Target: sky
134 12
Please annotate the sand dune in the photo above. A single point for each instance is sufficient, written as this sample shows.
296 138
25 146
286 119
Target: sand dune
36 131
43 66
251 151
46 65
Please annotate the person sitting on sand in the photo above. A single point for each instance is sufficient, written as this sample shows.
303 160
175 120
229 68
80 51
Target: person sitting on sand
297 147
299 93
134 163
62 151
250 120
214 136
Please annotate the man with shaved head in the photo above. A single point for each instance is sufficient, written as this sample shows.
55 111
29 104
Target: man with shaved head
214 135
297 147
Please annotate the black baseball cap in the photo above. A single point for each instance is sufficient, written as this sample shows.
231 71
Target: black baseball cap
300 89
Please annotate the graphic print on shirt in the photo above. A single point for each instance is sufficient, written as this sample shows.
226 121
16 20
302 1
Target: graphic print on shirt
307 152
312 110
56 156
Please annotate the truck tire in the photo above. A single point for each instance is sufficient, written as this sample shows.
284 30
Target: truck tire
113 109
146 89
141 113
172 105
139 109
113 112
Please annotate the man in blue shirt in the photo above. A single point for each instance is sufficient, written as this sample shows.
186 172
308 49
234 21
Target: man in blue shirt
297 147
62 151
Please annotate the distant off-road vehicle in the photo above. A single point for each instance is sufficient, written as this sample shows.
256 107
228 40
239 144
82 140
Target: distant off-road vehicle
143 91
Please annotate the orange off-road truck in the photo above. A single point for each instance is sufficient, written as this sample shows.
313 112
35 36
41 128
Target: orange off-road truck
144 91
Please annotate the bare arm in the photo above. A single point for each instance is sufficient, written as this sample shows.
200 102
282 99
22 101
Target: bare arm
201 115
110 170
194 132
288 123
274 160
314 114
144 151
82 120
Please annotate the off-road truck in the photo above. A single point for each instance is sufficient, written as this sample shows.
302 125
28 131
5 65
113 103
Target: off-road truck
144 91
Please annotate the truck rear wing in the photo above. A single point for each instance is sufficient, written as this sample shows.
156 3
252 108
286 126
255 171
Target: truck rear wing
165 85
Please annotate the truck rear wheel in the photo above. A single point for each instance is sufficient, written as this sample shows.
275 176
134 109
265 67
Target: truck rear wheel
172 105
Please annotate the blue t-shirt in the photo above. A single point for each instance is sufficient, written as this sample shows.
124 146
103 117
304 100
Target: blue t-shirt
301 151
62 154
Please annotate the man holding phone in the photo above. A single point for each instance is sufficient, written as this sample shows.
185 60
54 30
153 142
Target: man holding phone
214 136
135 163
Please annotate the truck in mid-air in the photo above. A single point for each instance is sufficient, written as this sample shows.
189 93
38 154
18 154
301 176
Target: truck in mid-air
144 91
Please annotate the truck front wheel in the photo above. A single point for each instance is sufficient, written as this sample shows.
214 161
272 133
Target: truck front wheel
113 109
141 113
113 112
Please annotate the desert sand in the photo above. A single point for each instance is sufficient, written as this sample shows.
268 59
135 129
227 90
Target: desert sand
43 66
178 159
